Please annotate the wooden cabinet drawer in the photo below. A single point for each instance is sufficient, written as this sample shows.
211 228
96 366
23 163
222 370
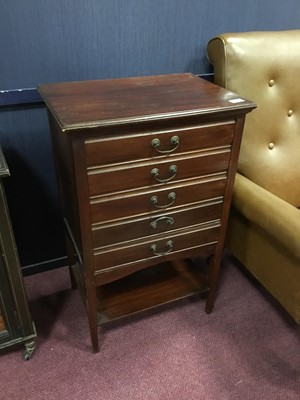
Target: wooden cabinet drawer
121 149
160 247
118 232
109 180
106 208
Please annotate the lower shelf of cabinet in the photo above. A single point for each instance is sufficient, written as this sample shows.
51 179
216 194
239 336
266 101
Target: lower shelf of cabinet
148 288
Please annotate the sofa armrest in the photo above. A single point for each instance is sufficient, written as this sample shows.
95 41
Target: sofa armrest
274 215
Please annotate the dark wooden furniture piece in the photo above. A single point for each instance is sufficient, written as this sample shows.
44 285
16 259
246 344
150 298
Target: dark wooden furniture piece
16 325
146 168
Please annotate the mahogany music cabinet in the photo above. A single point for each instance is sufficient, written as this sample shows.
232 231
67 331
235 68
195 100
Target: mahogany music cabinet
145 167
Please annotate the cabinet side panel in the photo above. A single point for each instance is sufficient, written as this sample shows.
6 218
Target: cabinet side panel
64 163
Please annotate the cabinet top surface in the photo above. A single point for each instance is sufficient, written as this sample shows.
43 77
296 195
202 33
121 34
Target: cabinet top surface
124 100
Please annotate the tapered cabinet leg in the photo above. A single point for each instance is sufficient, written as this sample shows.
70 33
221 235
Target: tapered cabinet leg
213 281
93 325
71 260
94 339
72 279
93 318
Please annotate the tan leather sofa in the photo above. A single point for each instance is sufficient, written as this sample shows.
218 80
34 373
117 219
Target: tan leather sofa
264 226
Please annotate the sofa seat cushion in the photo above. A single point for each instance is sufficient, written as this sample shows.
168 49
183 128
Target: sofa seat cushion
278 218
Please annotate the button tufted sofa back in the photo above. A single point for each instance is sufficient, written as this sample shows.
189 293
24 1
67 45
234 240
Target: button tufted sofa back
265 68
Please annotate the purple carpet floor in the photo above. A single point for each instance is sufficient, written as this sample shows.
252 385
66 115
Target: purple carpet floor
247 349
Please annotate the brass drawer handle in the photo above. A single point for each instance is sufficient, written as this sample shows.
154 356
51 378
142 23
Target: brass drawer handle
169 248
169 220
155 174
174 142
171 196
